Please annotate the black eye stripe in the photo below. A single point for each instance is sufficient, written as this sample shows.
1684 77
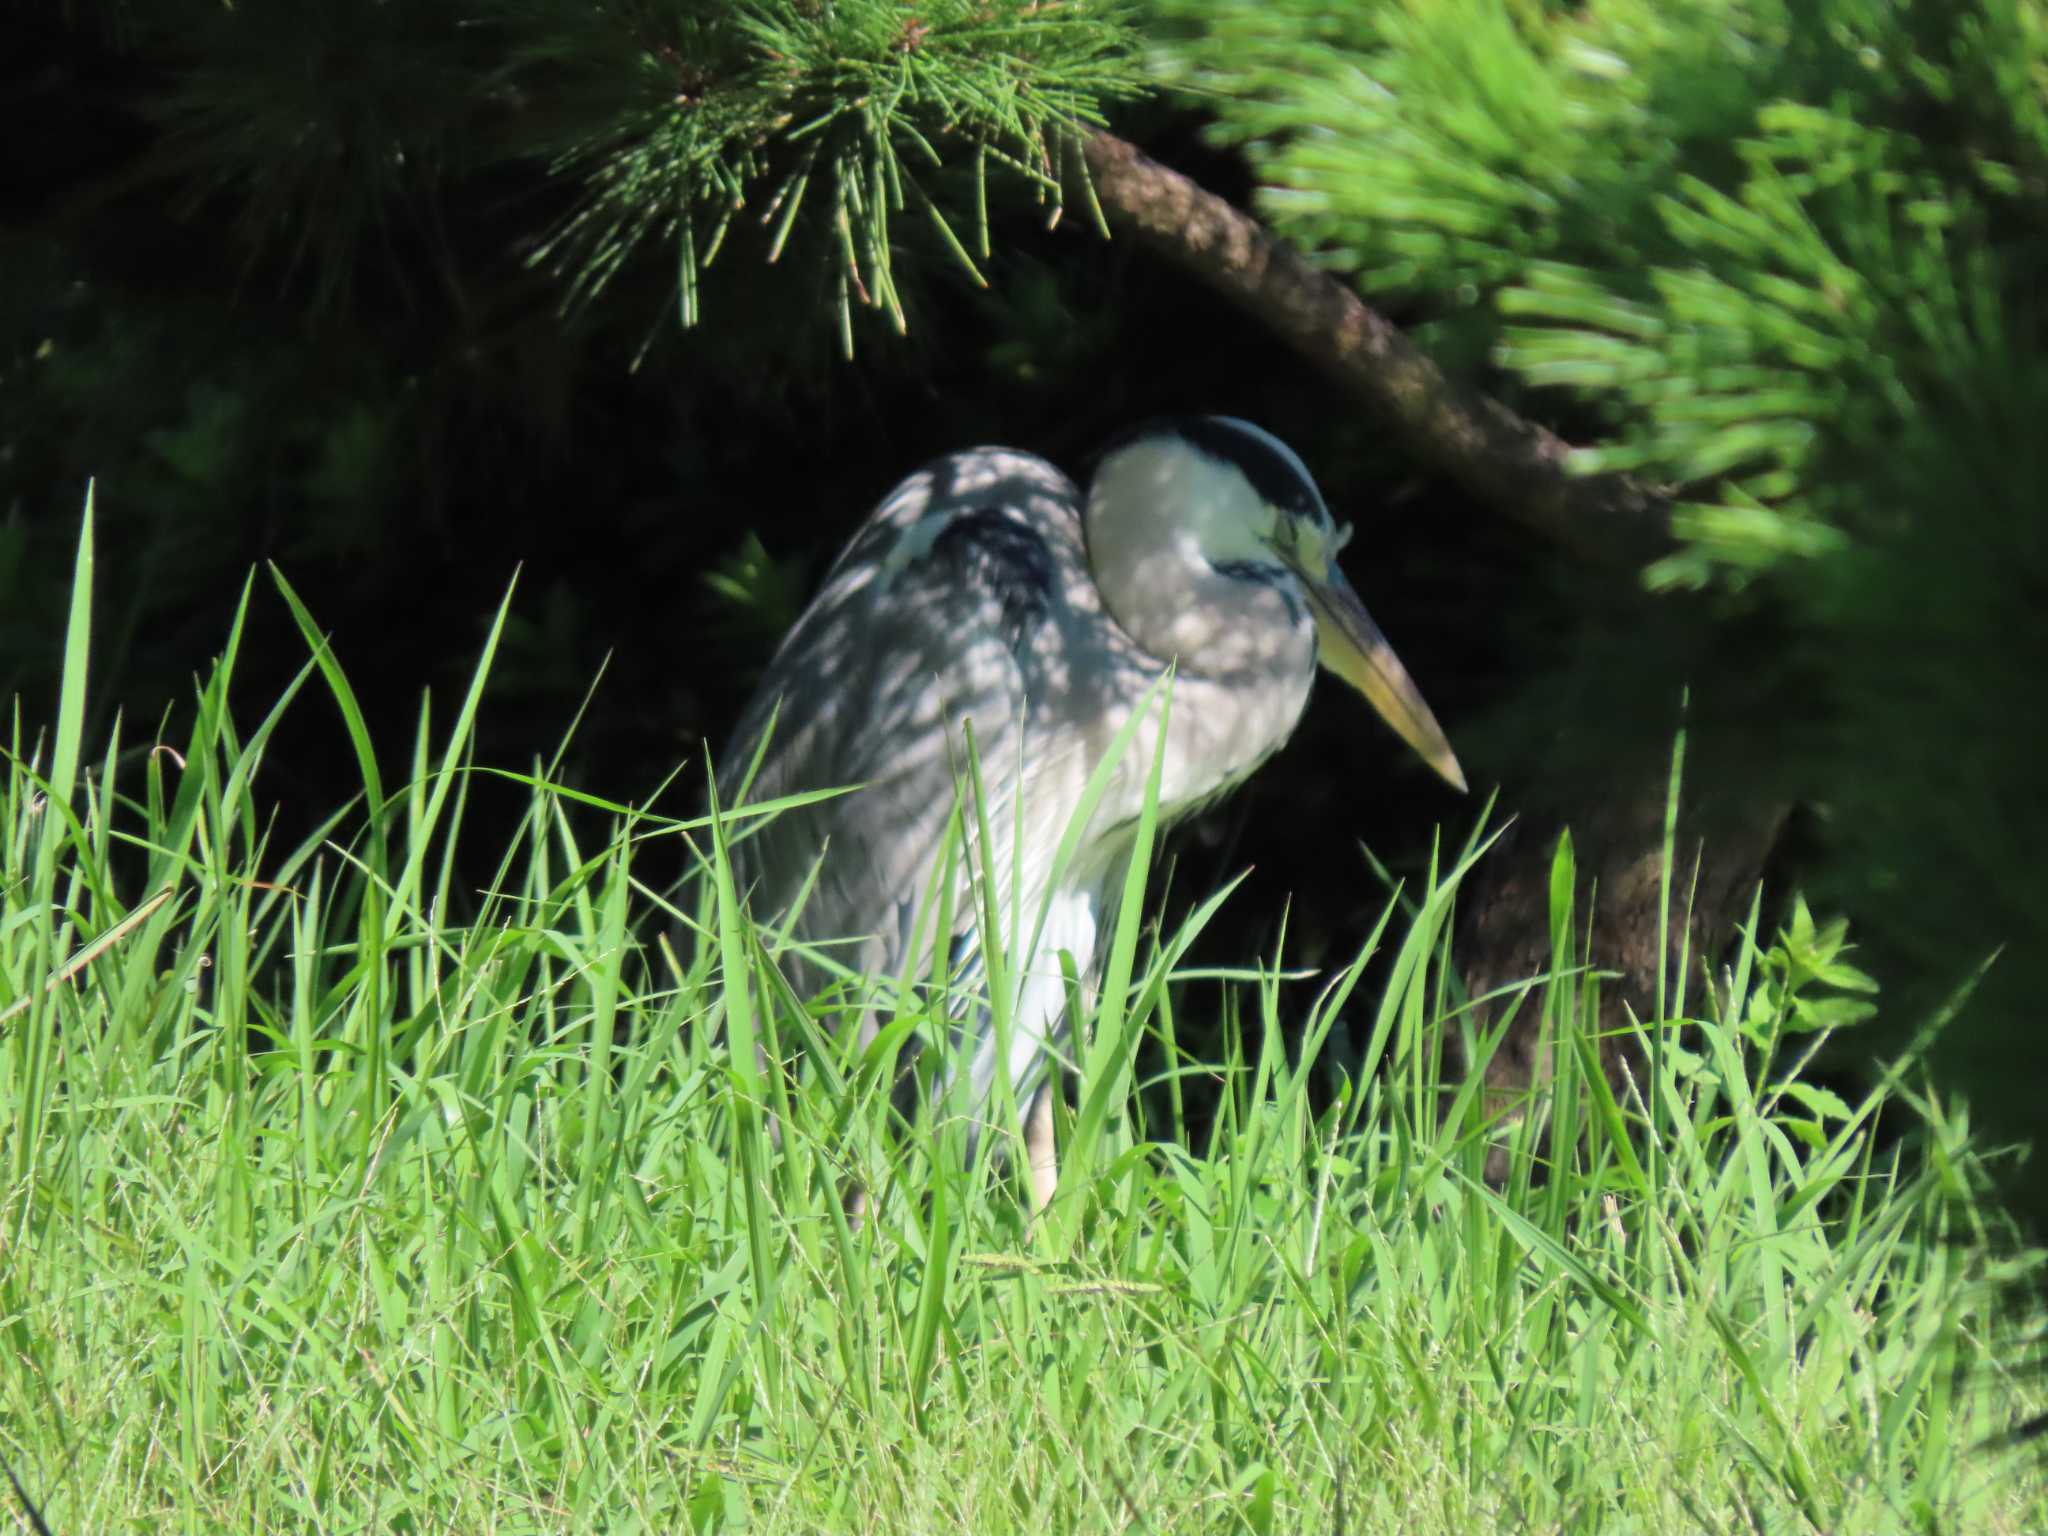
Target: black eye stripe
1278 482
1279 479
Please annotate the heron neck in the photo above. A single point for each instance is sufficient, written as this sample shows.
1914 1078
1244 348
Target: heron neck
1234 631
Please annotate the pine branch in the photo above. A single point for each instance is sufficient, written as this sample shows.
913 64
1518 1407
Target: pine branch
1511 464
677 118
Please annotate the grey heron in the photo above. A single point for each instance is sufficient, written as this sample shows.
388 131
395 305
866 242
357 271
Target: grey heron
986 592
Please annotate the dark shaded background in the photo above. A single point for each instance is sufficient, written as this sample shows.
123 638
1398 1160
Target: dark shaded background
402 442
403 426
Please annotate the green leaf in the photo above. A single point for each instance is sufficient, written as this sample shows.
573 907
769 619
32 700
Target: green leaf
1825 1103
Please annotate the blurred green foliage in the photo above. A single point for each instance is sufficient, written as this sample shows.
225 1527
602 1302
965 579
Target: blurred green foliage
1786 260
1751 238
390 293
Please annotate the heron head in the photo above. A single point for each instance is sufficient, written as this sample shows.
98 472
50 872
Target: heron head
1231 498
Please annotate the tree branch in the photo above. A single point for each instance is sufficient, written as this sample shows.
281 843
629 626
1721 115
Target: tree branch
1511 464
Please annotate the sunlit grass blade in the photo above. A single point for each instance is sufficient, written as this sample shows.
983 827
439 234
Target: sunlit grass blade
71 690
456 1199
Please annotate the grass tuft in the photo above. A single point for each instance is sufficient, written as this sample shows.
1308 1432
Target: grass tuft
339 1192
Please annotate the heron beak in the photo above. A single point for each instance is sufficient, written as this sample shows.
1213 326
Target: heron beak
1353 648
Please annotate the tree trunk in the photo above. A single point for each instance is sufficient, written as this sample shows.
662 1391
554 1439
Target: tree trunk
1618 836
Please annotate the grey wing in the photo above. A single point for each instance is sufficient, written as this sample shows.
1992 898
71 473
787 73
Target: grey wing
942 611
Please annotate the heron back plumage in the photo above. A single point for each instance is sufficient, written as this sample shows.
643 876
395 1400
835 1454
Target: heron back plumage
974 595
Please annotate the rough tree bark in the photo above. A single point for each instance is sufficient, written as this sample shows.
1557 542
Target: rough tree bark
1512 465
1518 469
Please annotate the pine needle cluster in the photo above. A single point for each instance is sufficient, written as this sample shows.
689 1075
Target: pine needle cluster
655 124
1755 240
700 114
1784 260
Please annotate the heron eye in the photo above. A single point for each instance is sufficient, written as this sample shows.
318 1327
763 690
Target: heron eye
1294 534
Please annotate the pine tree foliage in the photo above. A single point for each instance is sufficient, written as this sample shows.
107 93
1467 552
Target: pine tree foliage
333 122
1786 258
699 114
321 131
1753 236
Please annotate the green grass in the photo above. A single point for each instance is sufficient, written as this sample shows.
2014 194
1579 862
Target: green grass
339 1194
